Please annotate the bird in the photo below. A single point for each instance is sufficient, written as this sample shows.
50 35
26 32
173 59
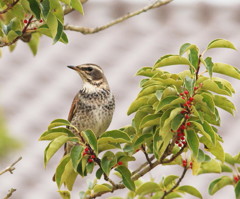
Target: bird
93 106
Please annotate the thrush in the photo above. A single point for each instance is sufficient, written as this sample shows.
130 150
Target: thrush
93 106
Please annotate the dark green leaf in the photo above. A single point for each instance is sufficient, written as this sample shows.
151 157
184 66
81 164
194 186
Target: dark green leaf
45 6
76 155
177 122
59 32
150 120
237 190
35 8
193 142
142 139
99 173
209 65
108 161
64 38
126 176
91 140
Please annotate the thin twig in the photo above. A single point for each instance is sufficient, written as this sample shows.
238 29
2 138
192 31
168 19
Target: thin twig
86 30
198 68
174 156
10 192
9 6
146 155
177 184
142 166
11 168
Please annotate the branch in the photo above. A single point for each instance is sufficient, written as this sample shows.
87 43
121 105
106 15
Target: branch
10 192
146 155
9 6
86 30
177 184
11 168
142 166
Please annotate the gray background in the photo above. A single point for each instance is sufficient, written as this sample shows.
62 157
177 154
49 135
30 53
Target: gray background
36 90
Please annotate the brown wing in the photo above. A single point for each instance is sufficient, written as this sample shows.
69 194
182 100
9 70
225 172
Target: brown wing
73 108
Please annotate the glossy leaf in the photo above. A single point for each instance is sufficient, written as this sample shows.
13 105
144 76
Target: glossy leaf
108 161
171 60
137 104
101 188
237 190
218 184
77 5
76 155
224 103
56 132
35 8
115 136
221 43
91 140
150 120
59 32
60 169
216 87
190 190
212 166
146 188
189 84
170 180
33 43
58 122
177 122
126 176
140 140
193 141
45 7
186 47
69 176
193 58
226 69
53 147
209 65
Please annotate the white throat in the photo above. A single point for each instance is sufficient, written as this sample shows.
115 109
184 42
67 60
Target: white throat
89 88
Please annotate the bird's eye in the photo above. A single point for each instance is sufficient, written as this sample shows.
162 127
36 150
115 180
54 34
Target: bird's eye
89 69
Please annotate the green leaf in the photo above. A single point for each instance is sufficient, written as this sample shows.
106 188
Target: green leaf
59 32
77 5
177 122
193 58
52 23
53 147
186 47
60 169
76 155
150 120
150 89
166 101
126 176
211 166
189 84
142 139
56 132
224 103
115 136
34 6
193 141
65 194
216 86
220 43
237 190
219 183
147 188
137 103
209 65
190 190
64 38
33 43
59 122
69 176
226 69
171 60
170 180
99 173
91 140
45 7
108 161
102 188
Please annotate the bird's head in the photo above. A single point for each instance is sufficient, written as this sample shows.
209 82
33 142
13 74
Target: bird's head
92 76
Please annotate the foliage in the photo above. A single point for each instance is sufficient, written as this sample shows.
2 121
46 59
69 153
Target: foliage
175 114
28 20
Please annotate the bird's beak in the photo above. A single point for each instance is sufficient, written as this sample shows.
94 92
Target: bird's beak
72 67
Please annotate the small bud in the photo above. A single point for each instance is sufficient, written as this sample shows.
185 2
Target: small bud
40 20
25 21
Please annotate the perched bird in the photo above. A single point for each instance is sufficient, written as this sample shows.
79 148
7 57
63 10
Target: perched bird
93 106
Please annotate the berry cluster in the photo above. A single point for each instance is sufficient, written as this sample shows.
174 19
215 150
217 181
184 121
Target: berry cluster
90 157
185 164
26 21
236 178
186 111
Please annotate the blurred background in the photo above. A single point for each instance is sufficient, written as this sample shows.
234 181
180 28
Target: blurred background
36 90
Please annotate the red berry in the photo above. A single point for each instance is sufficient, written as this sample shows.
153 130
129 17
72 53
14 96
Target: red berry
181 94
90 160
120 163
191 99
183 127
184 163
183 111
183 98
184 142
236 178
185 104
182 138
188 123
180 145
84 153
86 149
25 21
195 88
187 116
186 92
177 142
188 102
93 156
190 165
40 20
35 28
